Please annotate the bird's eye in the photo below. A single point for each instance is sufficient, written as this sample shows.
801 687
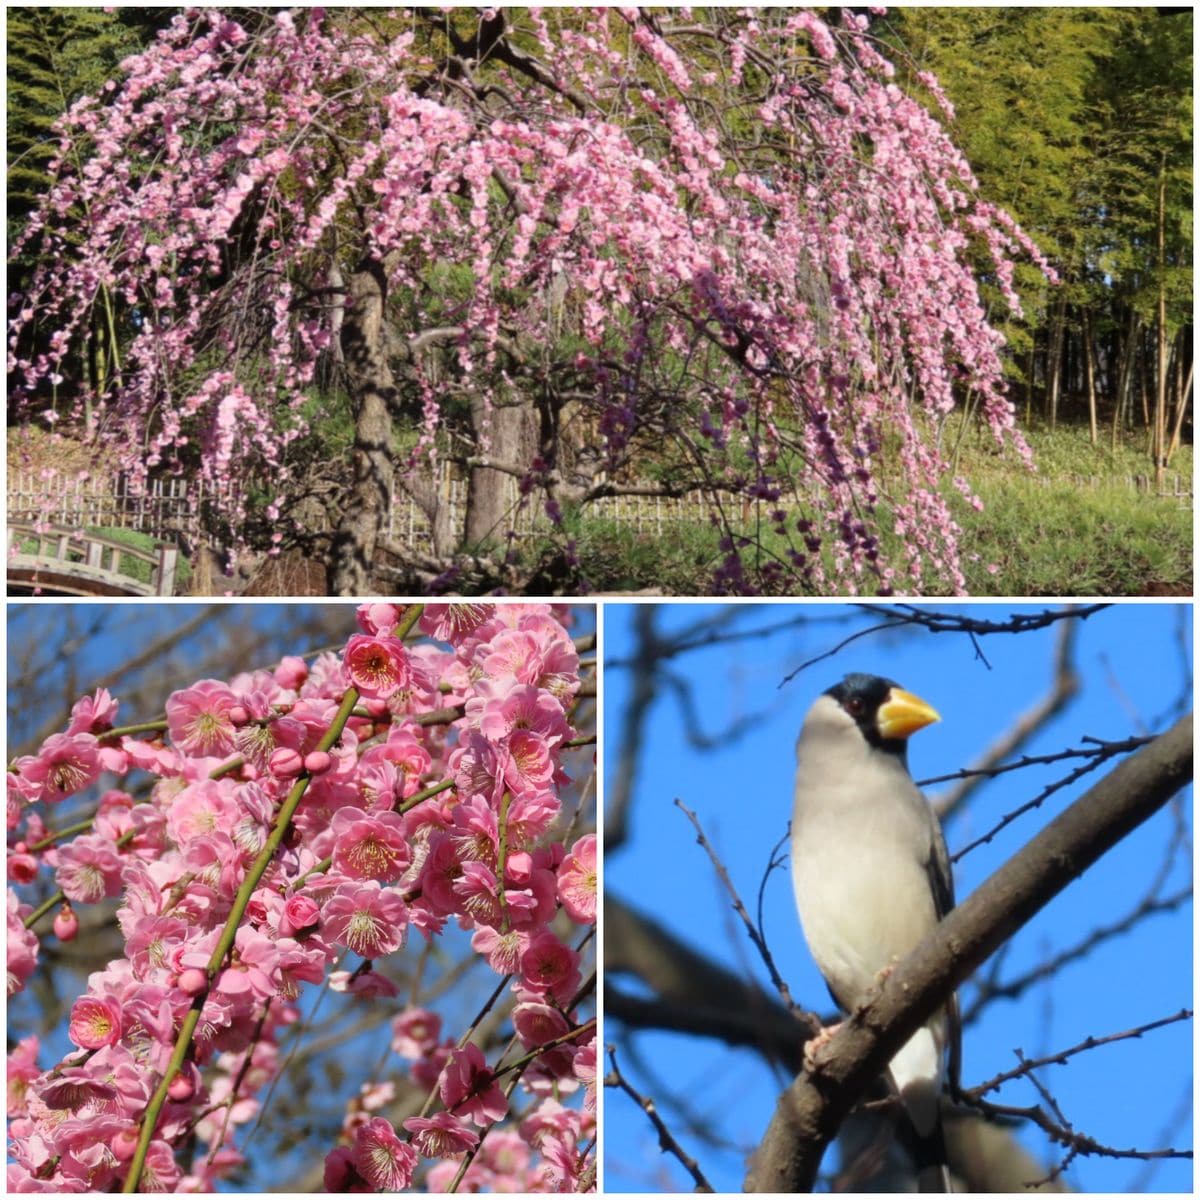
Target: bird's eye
854 706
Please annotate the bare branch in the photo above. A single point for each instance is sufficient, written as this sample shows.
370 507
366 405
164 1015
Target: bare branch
936 622
665 1138
1064 686
1060 1057
755 936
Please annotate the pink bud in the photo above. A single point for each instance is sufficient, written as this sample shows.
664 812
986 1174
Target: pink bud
291 673
286 762
238 715
193 980
181 1087
317 763
300 912
66 924
378 619
125 1143
519 868
375 707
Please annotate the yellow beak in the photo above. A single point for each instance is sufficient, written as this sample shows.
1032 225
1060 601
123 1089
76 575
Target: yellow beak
902 714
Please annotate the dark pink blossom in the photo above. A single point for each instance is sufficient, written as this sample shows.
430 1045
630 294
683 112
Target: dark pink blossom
549 966
469 1089
415 1032
381 1158
441 1136
377 666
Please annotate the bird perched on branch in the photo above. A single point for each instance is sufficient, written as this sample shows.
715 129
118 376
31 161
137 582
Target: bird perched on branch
872 876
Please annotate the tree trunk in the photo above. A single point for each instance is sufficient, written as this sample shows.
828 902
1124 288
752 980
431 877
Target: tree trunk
510 433
1030 374
1181 407
373 396
1158 448
1089 375
429 489
1055 362
1128 353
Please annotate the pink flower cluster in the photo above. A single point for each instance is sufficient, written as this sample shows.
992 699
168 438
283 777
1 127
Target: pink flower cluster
433 806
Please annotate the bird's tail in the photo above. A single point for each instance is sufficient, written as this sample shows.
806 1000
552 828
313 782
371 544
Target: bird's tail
933 1168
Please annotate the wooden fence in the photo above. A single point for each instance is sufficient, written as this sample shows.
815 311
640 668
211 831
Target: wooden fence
162 510
165 511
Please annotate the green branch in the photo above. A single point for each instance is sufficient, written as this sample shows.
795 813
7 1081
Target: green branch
183 1042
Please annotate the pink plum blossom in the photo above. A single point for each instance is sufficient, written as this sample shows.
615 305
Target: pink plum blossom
95 1022
377 666
65 764
199 721
366 917
577 881
370 845
350 872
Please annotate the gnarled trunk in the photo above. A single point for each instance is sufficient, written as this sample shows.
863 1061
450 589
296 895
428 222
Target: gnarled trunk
511 434
373 395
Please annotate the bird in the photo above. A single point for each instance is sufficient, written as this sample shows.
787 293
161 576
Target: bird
872 876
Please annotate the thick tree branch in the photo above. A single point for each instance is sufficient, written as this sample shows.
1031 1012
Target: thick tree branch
693 994
812 1109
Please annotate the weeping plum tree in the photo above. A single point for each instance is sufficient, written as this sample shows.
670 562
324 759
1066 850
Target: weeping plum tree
716 249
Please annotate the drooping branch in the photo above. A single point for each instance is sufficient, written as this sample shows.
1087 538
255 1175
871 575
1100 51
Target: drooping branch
812 1109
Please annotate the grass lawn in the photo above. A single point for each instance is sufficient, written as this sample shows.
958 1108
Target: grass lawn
1046 533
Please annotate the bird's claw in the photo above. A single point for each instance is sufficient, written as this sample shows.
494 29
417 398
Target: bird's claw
816 1045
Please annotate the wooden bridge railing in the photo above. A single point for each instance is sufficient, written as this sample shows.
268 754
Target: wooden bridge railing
76 563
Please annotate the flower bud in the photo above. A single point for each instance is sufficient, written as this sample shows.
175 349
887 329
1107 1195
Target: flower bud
66 924
291 673
238 715
182 1087
286 762
193 980
301 913
125 1143
317 762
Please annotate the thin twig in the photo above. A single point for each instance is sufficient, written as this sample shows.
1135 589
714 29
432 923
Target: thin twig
665 1138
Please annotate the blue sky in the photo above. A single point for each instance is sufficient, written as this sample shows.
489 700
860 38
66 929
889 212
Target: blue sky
1134 662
